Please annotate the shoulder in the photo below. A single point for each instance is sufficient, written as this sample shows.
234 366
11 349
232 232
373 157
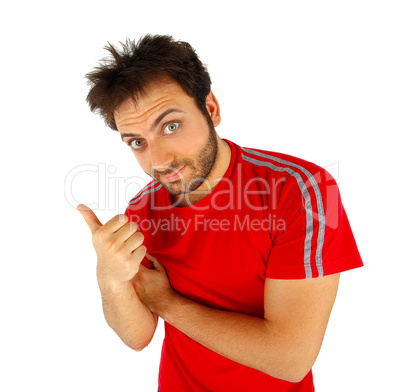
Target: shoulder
144 197
279 162
293 171
297 185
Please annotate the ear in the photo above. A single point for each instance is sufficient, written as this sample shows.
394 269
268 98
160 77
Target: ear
213 108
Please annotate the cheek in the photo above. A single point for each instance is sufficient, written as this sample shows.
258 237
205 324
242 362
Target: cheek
194 140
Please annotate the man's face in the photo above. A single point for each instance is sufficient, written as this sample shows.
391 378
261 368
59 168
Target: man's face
170 137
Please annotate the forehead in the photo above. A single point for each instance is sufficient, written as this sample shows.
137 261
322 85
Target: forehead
157 96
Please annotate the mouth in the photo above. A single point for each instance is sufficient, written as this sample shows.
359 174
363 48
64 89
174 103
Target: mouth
175 176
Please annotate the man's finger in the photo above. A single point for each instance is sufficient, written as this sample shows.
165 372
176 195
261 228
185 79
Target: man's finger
90 217
155 262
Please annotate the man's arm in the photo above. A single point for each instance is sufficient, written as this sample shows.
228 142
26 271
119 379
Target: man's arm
132 321
284 344
119 249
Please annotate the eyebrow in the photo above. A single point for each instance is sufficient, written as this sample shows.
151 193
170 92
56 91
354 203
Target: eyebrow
155 123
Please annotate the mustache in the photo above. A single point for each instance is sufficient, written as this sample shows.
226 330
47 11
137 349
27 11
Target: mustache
172 169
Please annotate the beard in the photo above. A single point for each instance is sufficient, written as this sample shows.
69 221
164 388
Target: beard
200 167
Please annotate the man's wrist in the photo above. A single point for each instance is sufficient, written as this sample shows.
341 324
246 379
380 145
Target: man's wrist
112 287
167 309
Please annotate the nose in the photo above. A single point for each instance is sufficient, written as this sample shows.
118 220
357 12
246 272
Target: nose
161 157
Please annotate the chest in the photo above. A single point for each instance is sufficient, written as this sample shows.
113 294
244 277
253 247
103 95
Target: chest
217 259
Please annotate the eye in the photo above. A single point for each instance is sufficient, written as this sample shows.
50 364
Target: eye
171 127
136 143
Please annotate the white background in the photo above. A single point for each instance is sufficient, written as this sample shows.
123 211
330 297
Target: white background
317 79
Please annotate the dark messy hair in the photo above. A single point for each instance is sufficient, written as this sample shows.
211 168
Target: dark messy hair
128 73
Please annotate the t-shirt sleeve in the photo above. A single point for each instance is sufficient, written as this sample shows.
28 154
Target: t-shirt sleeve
316 238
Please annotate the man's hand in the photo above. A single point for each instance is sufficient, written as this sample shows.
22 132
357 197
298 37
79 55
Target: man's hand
153 287
118 246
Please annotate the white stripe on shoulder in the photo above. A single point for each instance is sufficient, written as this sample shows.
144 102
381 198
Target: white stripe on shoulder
148 189
307 199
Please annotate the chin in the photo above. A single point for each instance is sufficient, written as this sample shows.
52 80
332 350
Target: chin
178 189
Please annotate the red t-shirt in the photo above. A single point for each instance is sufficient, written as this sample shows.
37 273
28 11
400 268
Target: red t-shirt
271 216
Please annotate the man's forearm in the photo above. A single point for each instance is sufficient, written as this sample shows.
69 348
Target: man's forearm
245 339
133 322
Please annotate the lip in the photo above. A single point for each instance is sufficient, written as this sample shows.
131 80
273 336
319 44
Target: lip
174 176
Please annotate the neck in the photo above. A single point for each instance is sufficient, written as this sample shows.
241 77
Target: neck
214 177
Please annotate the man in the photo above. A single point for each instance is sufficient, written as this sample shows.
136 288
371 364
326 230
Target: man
239 250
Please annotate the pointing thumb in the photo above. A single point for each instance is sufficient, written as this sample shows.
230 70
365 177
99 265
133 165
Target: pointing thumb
90 217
